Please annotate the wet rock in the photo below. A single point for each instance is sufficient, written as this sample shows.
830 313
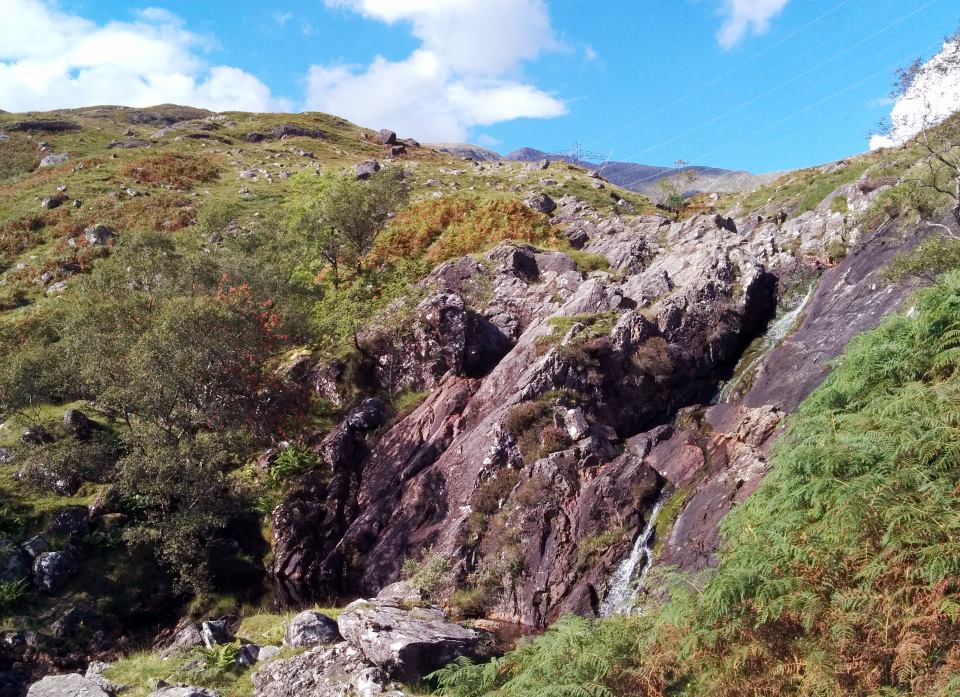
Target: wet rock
407 644
70 685
310 628
53 570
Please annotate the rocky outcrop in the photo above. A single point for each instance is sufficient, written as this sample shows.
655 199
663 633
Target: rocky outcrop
71 685
533 467
335 671
407 644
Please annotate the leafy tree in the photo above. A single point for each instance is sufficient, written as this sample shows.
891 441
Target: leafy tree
938 140
671 192
340 216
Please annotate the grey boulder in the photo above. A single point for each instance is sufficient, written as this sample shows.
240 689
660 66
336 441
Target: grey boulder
310 628
540 203
408 644
53 160
70 685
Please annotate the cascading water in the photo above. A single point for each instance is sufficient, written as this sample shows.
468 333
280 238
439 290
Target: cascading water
627 581
755 355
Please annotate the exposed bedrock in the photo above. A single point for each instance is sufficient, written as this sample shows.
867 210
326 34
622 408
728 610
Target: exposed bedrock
545 439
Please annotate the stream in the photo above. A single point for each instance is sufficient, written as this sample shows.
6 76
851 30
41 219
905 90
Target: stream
757 352
627 582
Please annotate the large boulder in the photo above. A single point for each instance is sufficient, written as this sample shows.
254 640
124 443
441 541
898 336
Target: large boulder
70 685
334 671
53 570
386 137
407 644
540 203
365 170
310 628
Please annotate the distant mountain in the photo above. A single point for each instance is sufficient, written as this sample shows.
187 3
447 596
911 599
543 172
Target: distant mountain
643 178
467 151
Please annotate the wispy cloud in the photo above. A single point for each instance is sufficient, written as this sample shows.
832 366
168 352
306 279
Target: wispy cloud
742 17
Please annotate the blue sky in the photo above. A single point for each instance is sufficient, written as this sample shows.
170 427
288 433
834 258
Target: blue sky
761 85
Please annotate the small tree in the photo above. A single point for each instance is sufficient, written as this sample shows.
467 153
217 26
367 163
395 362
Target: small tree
341 216
938 138
671 191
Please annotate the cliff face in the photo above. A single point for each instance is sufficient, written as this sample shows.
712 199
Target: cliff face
562 404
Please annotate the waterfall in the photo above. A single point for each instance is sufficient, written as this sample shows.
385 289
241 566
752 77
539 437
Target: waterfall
628 580
754 356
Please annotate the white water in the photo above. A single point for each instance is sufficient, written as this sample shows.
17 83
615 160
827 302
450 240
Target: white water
626 582
776 333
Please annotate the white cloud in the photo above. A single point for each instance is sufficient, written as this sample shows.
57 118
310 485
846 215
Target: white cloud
50 59
590 54
744 16
463 74
933 96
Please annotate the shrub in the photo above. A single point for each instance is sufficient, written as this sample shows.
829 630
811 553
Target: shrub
292 461
176 170
932 257
18 156
453 226
12 593
587 262
839 204
430 575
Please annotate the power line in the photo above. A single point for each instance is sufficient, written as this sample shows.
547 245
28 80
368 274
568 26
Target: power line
789 117
720 77
783 84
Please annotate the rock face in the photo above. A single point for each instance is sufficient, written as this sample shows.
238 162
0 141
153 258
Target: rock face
562 405
407 644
